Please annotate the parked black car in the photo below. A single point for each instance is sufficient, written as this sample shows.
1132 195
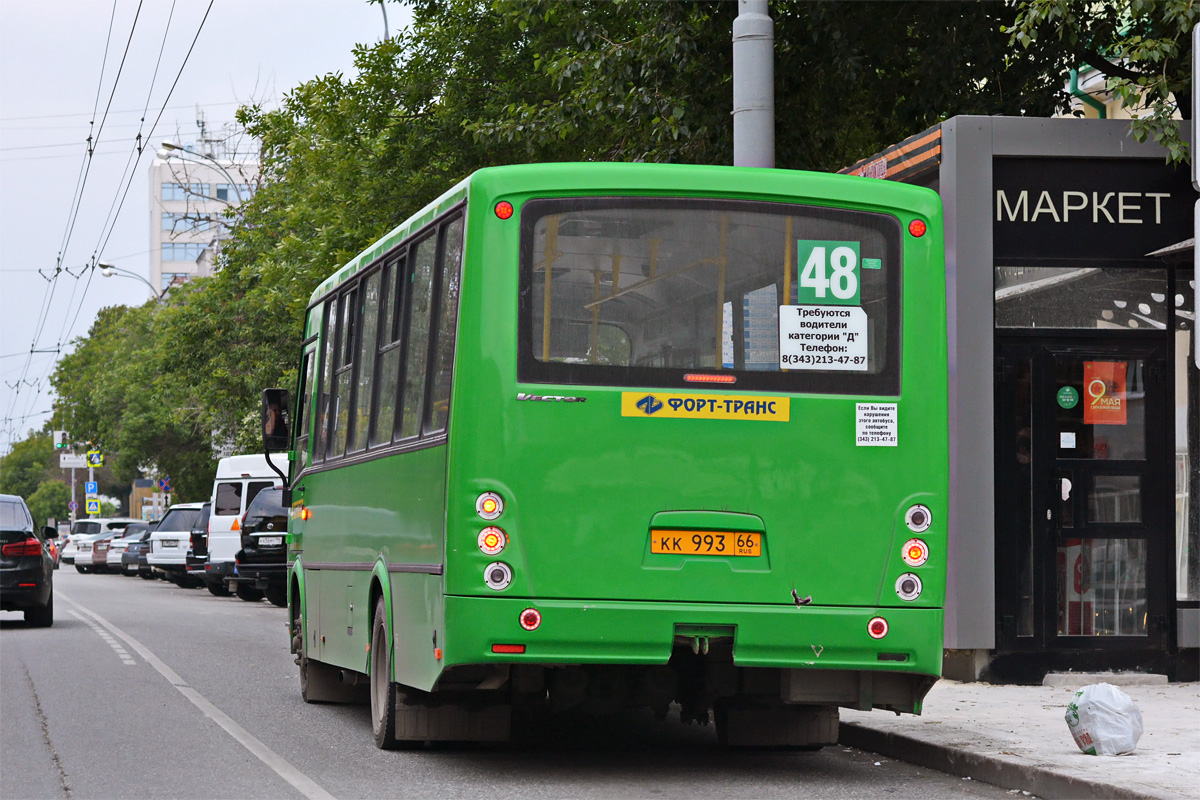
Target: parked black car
261 564
198 565
135 535
136 553
26 566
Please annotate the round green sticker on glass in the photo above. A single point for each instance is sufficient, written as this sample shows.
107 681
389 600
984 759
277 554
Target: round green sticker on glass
1068 397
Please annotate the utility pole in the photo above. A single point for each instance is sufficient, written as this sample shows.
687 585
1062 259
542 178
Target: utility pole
753 86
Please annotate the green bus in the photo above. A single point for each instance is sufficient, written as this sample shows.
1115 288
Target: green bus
596 436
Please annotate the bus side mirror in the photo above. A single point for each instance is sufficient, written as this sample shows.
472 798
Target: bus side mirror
276 427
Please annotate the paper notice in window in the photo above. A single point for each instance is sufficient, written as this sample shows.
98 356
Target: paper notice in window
876 425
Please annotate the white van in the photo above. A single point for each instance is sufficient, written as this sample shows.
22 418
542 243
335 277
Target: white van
239 480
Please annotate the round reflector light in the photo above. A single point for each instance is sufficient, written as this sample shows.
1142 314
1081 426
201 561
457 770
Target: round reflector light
504 209
877 628
489 505
530 619
497 575
916 552
918 519
492 540
908 587
917 228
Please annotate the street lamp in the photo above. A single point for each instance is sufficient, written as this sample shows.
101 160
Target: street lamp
170 150
108 270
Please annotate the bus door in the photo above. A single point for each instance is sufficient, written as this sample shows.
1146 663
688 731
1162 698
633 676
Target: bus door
1084 528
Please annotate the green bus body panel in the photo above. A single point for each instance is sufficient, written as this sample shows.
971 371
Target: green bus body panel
386 508
643 633
583 485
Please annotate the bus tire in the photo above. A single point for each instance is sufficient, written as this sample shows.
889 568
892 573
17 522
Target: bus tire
383 691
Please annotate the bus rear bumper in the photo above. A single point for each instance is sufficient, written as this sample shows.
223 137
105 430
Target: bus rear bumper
614 632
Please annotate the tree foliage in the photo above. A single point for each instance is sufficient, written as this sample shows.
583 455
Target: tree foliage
1141 46
50 500
30 462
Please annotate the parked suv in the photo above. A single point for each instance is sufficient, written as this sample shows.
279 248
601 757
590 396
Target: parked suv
169 543
262 561
26 566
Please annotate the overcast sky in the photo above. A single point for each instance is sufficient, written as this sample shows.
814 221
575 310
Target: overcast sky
55 78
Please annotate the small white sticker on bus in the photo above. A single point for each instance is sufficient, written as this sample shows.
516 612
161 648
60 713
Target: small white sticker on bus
876 425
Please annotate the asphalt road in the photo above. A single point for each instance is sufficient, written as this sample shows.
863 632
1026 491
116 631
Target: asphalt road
143 689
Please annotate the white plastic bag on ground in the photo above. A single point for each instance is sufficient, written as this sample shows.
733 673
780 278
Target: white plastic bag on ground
1104 720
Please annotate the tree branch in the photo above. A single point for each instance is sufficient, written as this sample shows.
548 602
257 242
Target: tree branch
1108 67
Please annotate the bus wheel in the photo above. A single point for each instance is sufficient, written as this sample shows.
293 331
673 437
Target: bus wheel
383 691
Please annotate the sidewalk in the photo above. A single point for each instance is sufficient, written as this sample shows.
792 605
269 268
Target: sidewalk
1015 737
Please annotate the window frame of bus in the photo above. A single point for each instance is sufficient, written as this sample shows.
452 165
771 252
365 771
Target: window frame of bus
304 386
396 265
530 369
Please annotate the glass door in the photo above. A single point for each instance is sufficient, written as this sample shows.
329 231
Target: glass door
1084 520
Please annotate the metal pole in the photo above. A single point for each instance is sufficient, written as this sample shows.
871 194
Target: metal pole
753 86
73 497
1195 143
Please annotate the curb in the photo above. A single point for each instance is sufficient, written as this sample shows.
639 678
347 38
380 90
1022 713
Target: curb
1038 780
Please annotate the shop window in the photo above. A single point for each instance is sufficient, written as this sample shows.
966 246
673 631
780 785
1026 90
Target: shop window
1081 297
1102 587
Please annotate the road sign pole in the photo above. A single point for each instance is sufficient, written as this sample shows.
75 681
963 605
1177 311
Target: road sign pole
72 496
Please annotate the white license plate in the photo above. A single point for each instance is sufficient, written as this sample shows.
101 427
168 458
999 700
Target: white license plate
170 542
267 541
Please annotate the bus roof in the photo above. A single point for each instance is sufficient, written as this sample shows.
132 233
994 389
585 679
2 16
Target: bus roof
651 178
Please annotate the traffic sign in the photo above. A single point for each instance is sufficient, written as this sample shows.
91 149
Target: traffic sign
91 487
93 505
165 484
95 458
71 461
73 506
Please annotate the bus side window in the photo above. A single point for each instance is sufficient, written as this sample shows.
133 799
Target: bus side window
343 375
390 350
417 337
324 394
446 320
367 345
303 412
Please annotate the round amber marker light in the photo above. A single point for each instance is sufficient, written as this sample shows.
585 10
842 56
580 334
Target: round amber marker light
489 505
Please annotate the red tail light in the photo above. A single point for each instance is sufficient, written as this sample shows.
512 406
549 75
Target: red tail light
29 547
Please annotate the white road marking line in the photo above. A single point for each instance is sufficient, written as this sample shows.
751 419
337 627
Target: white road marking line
127 659
302 783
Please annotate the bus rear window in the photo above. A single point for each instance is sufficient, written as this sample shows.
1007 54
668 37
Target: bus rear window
651 291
